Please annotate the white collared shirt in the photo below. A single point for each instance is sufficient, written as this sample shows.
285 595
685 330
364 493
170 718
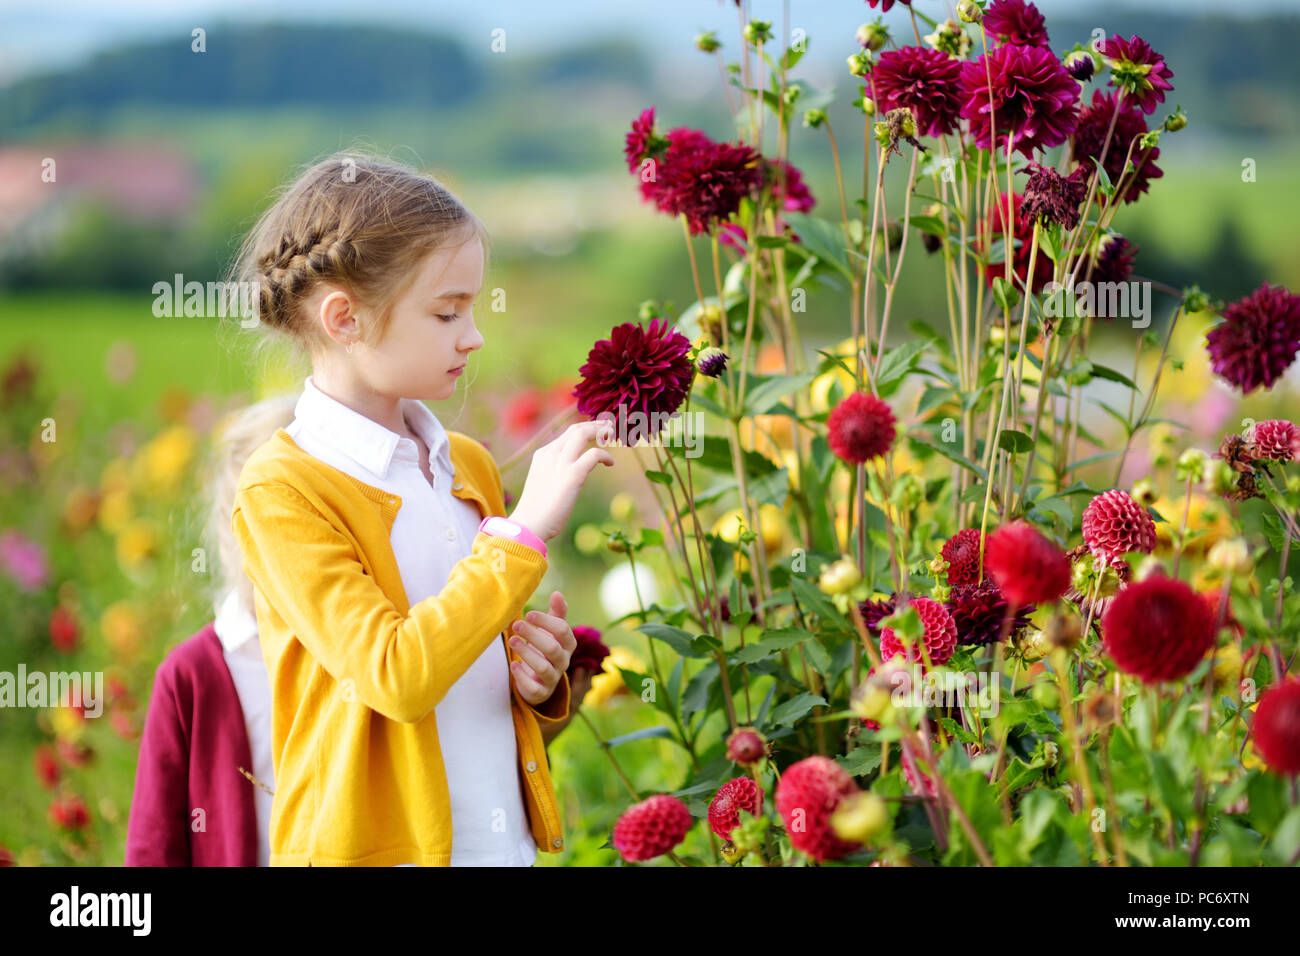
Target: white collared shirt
432 532
236 627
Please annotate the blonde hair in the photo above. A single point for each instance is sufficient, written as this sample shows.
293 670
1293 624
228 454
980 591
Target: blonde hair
246 431
355 220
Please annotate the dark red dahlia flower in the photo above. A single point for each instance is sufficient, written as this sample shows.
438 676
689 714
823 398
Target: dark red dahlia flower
1015 21
1114 261
740 793
806 796
1275 439
1053 197
978 611
940 635
69 812
923 80
1028 567
643 141
1115 524
1276 726
704 180
873 612
962 552
651 828
1138 70
1034 99
48 769
886 4
1258 338
1022 237
794 195
860 428
590 652
636 370
746 746
1090 136
1157 629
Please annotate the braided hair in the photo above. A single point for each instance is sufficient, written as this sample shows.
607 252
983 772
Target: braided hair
354 220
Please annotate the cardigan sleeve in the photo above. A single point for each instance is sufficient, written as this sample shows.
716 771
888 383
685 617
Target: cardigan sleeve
400 665
157 830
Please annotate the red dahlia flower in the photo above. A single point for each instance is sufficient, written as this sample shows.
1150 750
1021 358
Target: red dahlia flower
1028 567
1157 629
1022 237
1137 69
69 813
651 828
48 770
1258 338
740 793
806 796
1276 726
923 80
962 552
63 630
1275 439
794 194
590 652
1053 197
1090 136
636 370
978 611
940 636
705 180
1115 524
860 428
873 612
1034 100
1014 21
1113 263
886 4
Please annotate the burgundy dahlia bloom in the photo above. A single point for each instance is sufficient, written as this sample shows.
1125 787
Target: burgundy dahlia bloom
1027 567
1275 439
1258 338
1022 238
978 611
1114 260
962 552
860 428
704 180
923 80
1034 99
795 195
590 652
1137 69
940 635
1157 629
873 612
886 4
1053 197
1276 726
1115 524
1015 21
1090 136
651 828
739 793
643 142
636 370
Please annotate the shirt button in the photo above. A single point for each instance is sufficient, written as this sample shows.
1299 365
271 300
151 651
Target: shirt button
451 534
532 765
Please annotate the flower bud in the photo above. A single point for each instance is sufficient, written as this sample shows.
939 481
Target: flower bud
711 362
872 36
860 63
1046 695
1080 65
1033 644
1051 753
707 42
1194 300
1191 465
649 309
840 577
1145 491
757 32
1084 574
746 746
870 701
970 11
1221 479
860 817
617 542
814 118
1176 120
792 93
732 853
1230 556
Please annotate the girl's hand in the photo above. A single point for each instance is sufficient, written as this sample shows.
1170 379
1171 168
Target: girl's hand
558 472
544 642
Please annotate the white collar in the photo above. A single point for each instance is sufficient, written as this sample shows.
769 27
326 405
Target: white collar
234 625
368 443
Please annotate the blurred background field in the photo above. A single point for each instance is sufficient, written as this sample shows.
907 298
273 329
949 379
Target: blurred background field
165 157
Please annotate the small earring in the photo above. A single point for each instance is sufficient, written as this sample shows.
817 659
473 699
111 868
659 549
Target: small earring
349 348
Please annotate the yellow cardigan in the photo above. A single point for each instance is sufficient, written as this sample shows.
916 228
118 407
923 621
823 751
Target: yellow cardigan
356 673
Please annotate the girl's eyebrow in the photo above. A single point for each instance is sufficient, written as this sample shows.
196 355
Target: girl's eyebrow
454 295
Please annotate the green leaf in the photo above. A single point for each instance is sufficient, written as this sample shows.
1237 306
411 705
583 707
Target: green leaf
823 238
645 734
898 361
1016 442
696 695
659 477
791 710
928 224
810 596
1102 371
761 397
860 761
951 454
817 656
769 643
1005 294
674 637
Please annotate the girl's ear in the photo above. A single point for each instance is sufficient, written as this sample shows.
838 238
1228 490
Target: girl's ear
337 319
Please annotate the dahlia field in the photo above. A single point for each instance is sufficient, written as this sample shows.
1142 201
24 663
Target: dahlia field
940 623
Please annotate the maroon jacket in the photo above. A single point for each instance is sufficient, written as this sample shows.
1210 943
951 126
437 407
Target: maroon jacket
193 745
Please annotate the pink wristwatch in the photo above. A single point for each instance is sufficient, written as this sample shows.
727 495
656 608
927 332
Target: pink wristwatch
505 528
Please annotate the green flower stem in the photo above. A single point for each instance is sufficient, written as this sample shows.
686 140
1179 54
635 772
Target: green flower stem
604 745
1151 395
1182 532
868 275
898 268
1060 665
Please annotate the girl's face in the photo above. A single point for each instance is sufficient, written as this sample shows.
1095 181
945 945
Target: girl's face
431 331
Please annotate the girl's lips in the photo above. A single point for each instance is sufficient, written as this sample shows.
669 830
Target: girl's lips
457 370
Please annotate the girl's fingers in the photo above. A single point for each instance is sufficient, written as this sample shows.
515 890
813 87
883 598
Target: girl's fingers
529 652
530 686
559 628
544 641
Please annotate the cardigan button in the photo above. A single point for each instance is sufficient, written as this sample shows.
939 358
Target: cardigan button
458 485
557 843
532 765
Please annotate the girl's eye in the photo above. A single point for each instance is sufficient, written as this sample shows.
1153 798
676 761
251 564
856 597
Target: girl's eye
448 318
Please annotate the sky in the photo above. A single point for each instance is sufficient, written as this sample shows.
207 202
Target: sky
36 35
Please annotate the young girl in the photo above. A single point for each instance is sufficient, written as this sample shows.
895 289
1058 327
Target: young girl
403 731
210 709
